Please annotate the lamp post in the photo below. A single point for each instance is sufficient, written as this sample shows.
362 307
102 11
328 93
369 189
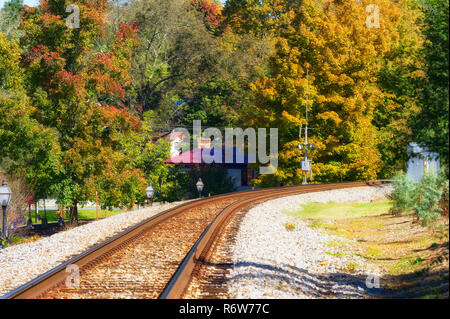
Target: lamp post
200 186
5 198
150 191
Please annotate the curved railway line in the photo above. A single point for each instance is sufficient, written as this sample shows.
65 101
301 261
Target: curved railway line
159 257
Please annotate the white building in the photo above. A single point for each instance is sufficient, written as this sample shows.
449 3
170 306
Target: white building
419 160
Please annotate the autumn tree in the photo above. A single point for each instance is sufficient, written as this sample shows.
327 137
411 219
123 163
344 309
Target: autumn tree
343 54
259 18
211 10
77 92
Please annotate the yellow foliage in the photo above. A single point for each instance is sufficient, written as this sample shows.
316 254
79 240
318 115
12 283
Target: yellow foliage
344 57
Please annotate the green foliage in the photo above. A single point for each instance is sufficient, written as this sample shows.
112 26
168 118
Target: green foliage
148 157
27 148
398 77
424 198
429 194
143 152
404 194
175 47
213 103
430 125
10 18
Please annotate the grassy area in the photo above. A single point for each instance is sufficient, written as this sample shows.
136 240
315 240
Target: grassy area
82 214
413 259
341 210
16 240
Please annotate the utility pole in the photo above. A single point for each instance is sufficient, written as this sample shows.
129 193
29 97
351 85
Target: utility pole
305 162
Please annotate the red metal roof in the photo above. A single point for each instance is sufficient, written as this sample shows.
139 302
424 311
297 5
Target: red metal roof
195 157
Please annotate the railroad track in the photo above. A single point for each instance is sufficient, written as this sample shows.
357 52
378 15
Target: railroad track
159 256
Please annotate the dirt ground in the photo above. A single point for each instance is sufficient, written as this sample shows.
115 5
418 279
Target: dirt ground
414 260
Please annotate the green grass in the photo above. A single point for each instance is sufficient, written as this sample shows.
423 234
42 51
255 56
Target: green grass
373 252
341 210
82 214
406 265
338 254
333 243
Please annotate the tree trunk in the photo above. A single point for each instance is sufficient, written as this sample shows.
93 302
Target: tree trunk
74 214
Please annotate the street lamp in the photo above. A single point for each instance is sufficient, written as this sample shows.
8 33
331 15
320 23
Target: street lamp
200 186
150 191
5 198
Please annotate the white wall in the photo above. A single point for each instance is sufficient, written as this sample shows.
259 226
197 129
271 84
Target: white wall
419 159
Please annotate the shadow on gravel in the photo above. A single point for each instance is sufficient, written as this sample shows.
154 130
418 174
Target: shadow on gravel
291 279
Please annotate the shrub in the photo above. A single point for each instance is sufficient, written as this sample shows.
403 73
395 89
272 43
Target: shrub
404 194
430 192
289 226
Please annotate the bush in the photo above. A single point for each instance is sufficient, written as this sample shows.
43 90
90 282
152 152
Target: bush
428 199
404 194
289 226
430 191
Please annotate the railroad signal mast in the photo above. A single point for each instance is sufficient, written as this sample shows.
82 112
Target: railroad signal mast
305 163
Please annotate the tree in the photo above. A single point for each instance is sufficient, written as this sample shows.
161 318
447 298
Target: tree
430 126
331 41
149 155
174 45
212 11
10 18
260 18
399 75
77 93
27 148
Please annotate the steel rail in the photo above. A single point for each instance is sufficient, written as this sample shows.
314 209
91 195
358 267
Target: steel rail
57 275
180 280
53 277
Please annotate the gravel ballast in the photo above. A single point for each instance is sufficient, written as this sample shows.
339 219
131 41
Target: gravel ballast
270 261
22 263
